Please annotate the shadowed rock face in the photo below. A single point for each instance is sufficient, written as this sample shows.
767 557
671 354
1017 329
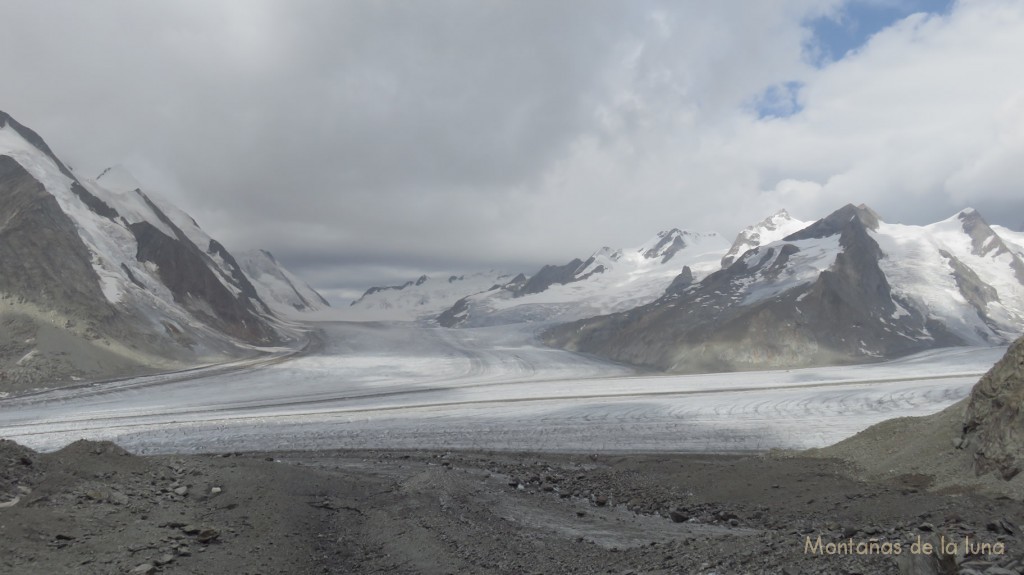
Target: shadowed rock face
376 289
46 262
236 271
45 267
65 309
977 293
837 222
550 275
455 315
985 242
42 258
195 287
186 272
93 203
994 424
681 281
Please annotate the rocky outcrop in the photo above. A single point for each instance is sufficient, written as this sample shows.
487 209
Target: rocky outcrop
993 429
551 275
455 315
378 289
515 284
681 281
986 242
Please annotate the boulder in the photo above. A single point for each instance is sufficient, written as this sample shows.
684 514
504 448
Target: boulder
993 428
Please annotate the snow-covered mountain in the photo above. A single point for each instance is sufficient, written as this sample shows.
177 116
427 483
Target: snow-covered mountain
771 229
847 288
99 277
283 291
424 297
609 280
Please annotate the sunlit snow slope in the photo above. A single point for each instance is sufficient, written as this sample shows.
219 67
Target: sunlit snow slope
610 280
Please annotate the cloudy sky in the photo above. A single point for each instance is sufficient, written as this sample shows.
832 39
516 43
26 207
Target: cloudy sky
369 142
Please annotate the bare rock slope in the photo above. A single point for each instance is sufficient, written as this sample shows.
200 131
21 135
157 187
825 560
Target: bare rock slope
99 279
993 430
974 444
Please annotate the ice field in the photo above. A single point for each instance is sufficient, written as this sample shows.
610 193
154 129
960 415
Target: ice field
399 385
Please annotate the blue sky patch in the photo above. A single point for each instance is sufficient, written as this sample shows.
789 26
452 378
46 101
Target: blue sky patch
779 100
859 20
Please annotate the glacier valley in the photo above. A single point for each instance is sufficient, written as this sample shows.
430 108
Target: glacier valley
405 385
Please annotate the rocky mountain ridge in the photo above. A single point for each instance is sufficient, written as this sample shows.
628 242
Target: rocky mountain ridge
428 295
100 278
284 292
609 280
847 288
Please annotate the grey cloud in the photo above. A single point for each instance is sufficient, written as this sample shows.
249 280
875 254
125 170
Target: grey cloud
362 140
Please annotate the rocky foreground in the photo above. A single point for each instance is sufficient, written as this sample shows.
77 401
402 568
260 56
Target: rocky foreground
93 508
938 495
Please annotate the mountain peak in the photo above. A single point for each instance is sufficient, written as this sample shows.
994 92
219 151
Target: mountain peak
664 245
118 179
971 219
33 139
984 240
269 255
768 230
837 221
781 215
970 216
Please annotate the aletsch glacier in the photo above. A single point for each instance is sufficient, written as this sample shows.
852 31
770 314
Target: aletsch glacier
915 314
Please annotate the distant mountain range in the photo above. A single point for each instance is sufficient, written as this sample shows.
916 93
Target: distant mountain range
426 296
610 279
100 278
847 288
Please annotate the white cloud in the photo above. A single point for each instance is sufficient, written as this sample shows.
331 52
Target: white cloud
919 122
465 133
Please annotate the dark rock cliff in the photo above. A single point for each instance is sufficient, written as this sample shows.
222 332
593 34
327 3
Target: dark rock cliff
994 423
42 258
195 286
